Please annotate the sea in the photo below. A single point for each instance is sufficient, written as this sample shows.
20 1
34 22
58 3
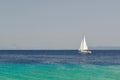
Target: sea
59 65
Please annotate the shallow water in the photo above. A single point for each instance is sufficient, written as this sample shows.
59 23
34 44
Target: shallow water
58 72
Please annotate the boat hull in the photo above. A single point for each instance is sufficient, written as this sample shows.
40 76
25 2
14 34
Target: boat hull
85 52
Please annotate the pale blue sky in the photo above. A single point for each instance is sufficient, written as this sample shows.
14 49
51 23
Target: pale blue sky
58 24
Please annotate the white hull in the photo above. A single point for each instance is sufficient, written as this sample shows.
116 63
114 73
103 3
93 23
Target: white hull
86 52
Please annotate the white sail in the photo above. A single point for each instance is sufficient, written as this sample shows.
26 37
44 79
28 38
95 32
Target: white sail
83 47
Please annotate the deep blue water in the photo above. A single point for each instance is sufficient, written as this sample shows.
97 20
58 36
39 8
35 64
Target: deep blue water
100 57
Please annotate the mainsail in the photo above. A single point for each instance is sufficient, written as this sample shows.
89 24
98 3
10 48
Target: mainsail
83 45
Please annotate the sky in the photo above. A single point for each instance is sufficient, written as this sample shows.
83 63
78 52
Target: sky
58 24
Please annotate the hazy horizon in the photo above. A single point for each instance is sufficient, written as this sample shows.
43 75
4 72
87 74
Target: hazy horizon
90 48
51 24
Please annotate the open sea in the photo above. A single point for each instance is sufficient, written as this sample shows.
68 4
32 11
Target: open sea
59 65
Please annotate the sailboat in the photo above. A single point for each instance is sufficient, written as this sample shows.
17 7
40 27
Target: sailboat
83 47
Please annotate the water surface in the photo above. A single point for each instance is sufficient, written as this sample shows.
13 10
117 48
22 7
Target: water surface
59 65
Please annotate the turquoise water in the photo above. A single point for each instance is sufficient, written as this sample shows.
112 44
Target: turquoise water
9 71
